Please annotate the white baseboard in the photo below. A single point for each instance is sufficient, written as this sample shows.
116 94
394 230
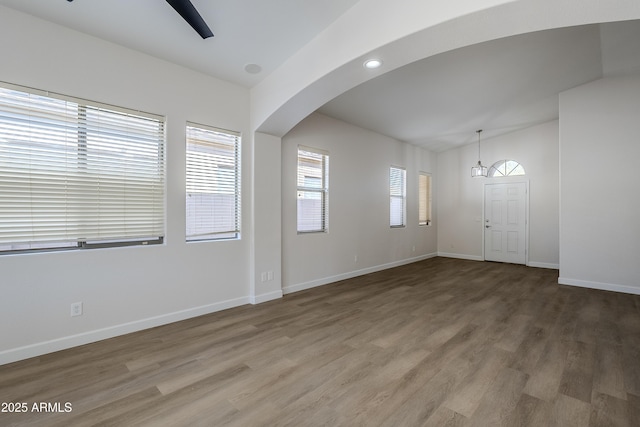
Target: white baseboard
544 265
38 349
461 256
326 280
269 296
479 258
598 285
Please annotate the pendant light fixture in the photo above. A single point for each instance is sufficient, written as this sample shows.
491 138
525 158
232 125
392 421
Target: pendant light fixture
479 170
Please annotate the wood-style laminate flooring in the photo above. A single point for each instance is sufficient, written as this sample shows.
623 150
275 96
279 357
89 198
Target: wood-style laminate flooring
441 342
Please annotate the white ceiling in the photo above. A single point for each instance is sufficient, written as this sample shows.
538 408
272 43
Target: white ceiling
263 32
438 103
499 86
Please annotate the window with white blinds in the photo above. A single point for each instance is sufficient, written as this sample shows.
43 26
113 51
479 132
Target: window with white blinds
424 199
213 183
312 190
75 173
398 197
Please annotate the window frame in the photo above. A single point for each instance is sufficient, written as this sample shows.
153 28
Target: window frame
107 138
322 190
395 197
215 184
495 172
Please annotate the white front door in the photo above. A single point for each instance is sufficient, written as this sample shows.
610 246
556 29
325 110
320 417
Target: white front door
505 209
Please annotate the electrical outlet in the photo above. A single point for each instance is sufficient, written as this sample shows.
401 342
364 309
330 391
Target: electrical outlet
263 276
76 309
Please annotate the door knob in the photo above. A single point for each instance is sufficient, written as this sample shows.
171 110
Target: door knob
487 226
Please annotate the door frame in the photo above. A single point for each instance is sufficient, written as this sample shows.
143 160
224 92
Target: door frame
507 180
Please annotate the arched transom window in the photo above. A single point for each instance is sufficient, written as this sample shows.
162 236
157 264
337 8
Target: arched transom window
505 168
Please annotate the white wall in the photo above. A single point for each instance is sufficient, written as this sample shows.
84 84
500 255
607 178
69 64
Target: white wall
600 206
266 247
126 289
460 197
122 289
359 162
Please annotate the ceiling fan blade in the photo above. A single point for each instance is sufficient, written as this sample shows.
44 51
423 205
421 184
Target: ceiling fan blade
186 9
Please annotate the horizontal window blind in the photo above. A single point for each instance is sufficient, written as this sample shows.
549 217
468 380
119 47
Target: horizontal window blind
73 172
312 190
213 183
424 199
397 193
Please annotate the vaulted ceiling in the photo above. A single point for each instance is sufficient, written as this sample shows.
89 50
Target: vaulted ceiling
261 32
437 102
502 85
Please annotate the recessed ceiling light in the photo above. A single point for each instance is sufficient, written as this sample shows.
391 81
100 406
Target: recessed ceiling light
372 63
252 68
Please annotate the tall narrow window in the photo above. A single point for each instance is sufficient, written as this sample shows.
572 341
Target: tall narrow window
398 197
313 190
213 183
424 199
78 174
